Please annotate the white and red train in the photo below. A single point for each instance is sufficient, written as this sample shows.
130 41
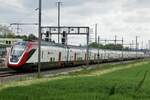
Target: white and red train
24 55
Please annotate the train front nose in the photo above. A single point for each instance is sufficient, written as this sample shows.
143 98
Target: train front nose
16 55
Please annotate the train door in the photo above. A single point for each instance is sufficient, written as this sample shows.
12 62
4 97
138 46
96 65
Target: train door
68 54
59 57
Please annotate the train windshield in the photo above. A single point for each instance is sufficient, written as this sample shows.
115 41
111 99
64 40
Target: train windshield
18 49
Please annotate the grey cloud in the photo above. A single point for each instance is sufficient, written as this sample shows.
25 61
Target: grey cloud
90 11
136 4
84 12
141 19
51 4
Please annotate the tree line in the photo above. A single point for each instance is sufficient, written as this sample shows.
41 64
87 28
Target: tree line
5 32
109 46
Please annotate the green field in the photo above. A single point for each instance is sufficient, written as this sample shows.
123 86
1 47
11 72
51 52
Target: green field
114 82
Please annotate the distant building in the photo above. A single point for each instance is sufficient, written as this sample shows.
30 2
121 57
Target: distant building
9 41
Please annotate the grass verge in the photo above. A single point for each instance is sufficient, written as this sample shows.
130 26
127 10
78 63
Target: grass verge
113 82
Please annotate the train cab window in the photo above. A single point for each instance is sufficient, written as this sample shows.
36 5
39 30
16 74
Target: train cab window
18 49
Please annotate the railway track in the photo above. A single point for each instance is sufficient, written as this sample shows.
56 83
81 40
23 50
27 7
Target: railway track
8 76
7 73
4 69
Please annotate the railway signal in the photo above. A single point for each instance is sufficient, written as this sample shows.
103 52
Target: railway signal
47 36
64 38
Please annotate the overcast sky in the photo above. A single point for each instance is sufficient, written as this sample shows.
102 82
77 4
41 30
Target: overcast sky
124 18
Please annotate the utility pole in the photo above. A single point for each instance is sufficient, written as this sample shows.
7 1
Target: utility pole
122 49
136 45
87 49
98 49
115 41
133 46
59 4
130 46
18 29
95 33
105 50
149 47
146 46
149 44
142 46
39 40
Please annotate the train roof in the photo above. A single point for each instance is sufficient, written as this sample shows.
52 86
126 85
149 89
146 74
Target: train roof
45 43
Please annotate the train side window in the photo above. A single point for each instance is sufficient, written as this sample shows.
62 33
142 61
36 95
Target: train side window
9 42
51 59
42 54
6 42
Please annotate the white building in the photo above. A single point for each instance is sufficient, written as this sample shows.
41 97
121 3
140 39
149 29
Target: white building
9 41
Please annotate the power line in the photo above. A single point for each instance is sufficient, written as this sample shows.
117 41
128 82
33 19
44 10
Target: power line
19 24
